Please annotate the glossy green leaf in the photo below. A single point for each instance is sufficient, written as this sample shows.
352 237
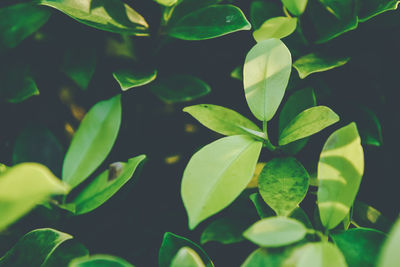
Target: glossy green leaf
79 65
37 248
265 75
225 230
210 22
92 141
36 143
187 257
65 253
217 174
359 241
186 7
261 10
24 186
389 255
263 257
340 169
128 79
100 261
296 7
307 123
170 246
317 62
283 184
278 27
321 254
179 88
107 15
275 232
14 28
367 216
104 186
370 8
221 120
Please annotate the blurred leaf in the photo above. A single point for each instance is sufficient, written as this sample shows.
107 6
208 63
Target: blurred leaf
225 230
296 7
277 27
367 216
108 15
369 126
170 246
237 73
340 169
360 241
283 184
128 79
217 174
210 22
220 119
261 10
321 254
307 123
389 255
100 261
104 186
266 74
14 28
92 141
368 9
317 62
275 232
24 186
187 257
179 88
36 143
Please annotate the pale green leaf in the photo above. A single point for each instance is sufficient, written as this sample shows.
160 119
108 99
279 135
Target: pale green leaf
99 261
128 79
263 257
321 254
296 7
167 3
389 254
278 27
187 257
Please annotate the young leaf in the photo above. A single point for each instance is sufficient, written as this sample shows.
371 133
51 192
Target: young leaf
321 254
226 230
359 241
170 246
261 10
221 120
187 257
278 27
179 88
99 260
317 62
210 22
105 186
128 79
370 8
296 7
265 75
108 15
275 232
340 169
24 186
92 141
14 28
38 247
283 184
217 174
389 255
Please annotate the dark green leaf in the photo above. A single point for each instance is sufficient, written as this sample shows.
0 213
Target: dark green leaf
237 73
128 79
370 8
263 210
65 253
367 216
100 261
369 126
226 230
261 10
277 27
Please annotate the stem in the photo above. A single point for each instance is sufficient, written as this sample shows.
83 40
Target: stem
286 12
267 143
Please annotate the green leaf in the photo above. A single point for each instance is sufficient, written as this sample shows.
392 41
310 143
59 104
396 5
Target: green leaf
368 9
317 62
321 254
187 257
389 255
361 241
24 186
275 232
221 120
307 123
65 253
263 210
367 216
261 10
104 186
167 2
265 75
369 126
128 79
100 261
79 65
92 141
262 257
217 174
210 22
170 246
225 230
108 15
340 169
36 143
283 184
14 28
38 247
296 7
179 88
278 27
